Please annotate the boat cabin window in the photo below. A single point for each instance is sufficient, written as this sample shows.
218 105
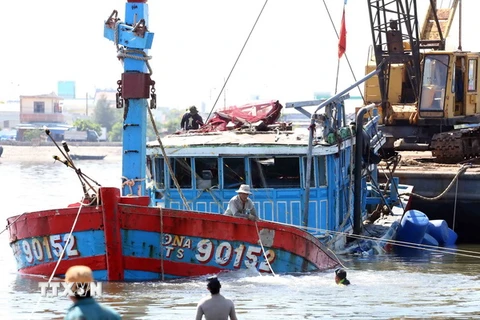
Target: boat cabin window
233 172
156 171
322 170
183 173
275 172
206 172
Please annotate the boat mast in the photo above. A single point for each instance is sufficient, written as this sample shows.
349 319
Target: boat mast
135 87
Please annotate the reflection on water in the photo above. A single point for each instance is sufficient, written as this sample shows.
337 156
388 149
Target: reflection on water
427 285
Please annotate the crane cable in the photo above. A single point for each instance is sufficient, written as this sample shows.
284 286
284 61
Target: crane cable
236 61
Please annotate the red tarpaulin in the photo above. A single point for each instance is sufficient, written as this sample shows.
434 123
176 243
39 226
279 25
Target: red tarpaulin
258 114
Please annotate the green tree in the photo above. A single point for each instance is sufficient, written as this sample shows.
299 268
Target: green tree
33 134
105 115
116 134
85 124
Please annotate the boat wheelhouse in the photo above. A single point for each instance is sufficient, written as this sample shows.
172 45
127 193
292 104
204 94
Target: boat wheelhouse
204 169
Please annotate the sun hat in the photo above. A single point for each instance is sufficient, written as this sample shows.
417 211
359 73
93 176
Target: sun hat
244 188
79 274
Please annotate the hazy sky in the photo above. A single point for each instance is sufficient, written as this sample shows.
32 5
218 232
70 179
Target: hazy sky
291 53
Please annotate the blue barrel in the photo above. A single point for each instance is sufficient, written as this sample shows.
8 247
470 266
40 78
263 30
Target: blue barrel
452 237
439 230
412 227
429 240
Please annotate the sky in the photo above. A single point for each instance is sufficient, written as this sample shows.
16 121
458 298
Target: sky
291 54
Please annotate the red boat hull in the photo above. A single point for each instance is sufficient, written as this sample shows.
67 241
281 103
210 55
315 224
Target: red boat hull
123 239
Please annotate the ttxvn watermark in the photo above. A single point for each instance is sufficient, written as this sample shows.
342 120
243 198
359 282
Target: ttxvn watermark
71 289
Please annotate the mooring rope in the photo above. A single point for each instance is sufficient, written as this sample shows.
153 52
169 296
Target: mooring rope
456 251
130 183
167 161
263 250
462 169
455 206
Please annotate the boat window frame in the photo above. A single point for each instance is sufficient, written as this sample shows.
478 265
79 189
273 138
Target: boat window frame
269 184
235 185
155 174
173 161
201 183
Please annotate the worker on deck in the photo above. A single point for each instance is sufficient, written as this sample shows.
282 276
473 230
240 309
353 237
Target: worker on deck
191 120
241 206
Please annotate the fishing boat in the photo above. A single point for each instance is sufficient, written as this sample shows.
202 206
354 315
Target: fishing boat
123 235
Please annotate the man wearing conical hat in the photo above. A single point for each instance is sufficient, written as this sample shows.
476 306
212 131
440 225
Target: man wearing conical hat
84 306
241 205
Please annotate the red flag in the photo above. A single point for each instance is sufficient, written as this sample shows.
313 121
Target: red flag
342 40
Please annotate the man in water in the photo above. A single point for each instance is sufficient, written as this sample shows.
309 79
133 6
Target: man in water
241 206
215 306
191 120
341 277
84 306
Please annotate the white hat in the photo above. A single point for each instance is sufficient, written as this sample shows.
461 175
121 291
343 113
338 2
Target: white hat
244 188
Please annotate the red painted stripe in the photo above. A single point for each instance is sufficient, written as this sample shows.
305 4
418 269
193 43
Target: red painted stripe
95 263
180 269
43 223
113 238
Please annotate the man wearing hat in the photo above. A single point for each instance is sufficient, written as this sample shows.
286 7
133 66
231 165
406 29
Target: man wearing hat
215 306
241 205
341 277
84 305
191 120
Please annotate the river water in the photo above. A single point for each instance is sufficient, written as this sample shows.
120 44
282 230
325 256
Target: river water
428 286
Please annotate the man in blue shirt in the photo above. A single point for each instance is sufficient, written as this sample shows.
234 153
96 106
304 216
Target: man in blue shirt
84 306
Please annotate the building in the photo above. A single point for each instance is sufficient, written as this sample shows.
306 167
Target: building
39 111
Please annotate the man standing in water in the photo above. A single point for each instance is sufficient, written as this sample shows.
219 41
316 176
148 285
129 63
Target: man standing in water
341 277
215 306
241 206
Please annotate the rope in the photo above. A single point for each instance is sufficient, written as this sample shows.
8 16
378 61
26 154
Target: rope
336 257
460 252
10 224
165 157
455 206
61 255
263 250
236 61
345 54
462 169
161 241
130 183
128 53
